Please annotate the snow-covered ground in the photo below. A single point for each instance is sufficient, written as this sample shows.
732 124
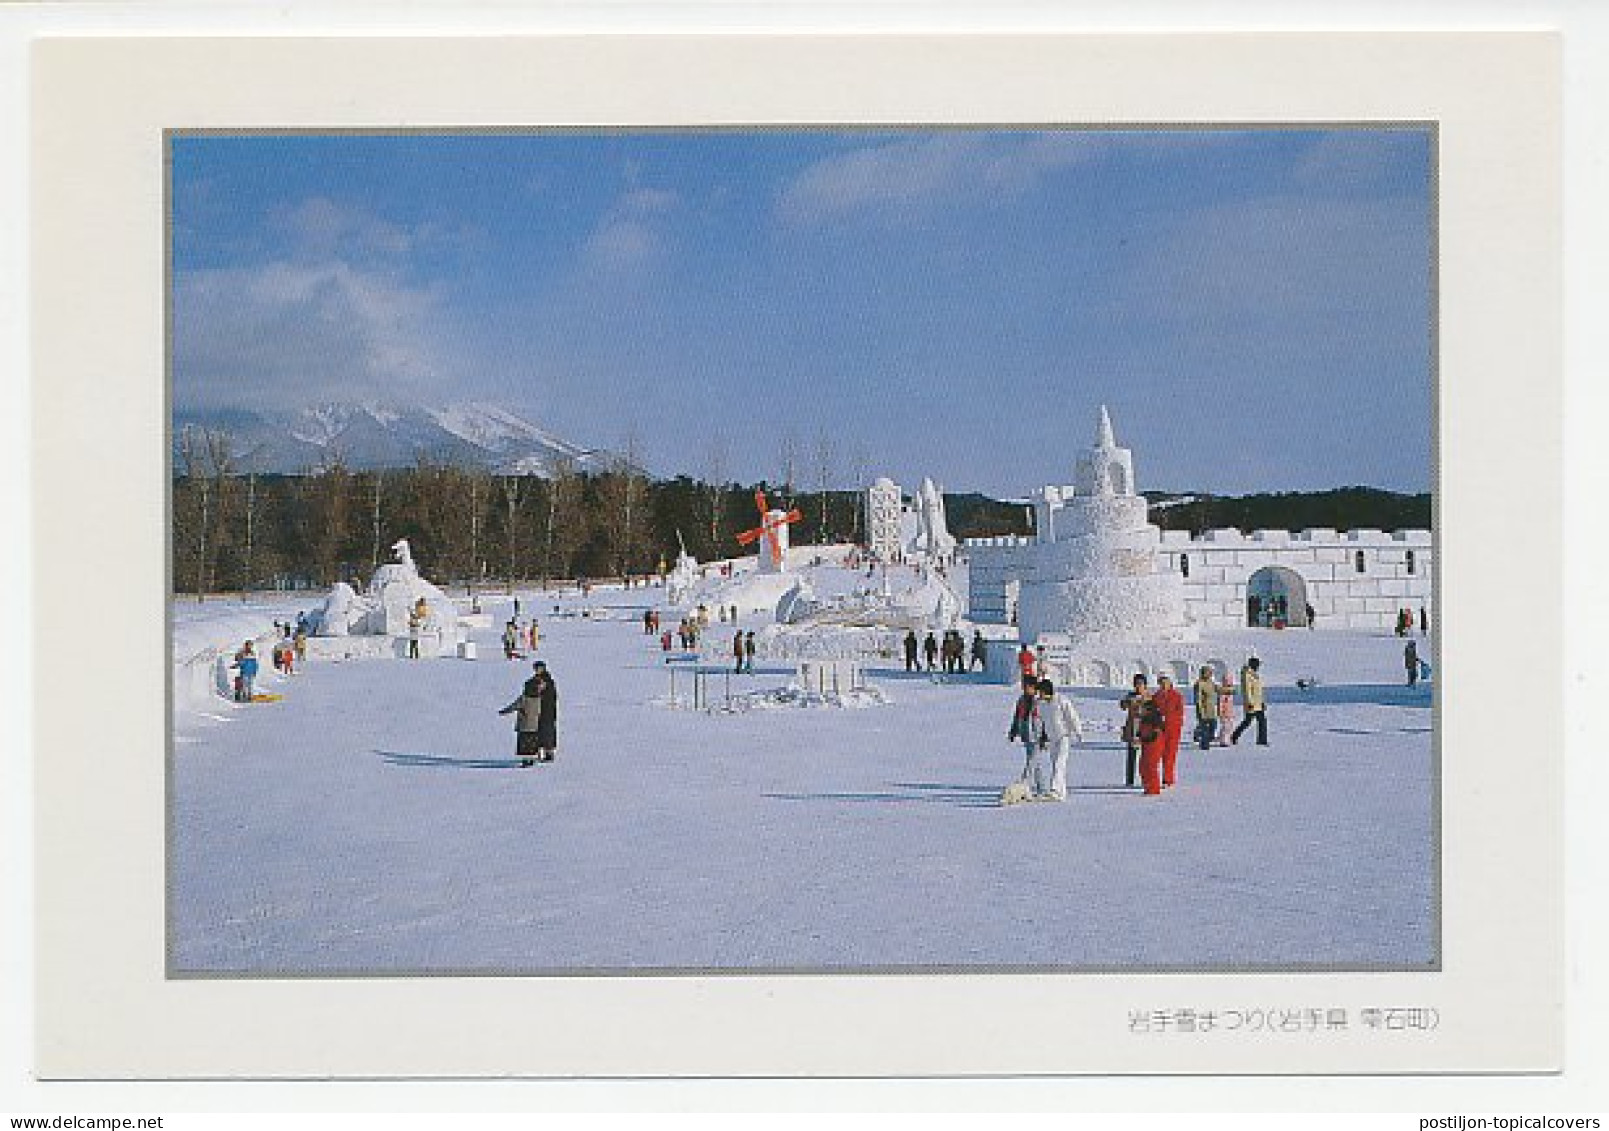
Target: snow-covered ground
375 821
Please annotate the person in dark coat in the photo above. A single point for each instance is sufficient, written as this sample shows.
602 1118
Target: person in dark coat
911 646
930 651
1133 703
536 722
980 655
1410 660
748 651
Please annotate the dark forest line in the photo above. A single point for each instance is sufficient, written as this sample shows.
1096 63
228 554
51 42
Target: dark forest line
234 531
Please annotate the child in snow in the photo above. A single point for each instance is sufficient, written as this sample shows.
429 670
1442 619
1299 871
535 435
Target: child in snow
1028 726
1226 709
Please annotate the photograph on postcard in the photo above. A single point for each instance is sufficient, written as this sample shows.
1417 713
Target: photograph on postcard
885 549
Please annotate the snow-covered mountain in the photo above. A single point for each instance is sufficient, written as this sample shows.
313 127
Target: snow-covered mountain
371 436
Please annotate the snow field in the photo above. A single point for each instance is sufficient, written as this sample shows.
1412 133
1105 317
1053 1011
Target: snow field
374 821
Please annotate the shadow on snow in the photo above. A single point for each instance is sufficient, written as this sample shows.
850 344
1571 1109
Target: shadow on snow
437 761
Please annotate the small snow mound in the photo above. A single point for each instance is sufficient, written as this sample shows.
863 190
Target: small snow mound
779 698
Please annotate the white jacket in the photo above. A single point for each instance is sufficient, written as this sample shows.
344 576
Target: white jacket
1061 720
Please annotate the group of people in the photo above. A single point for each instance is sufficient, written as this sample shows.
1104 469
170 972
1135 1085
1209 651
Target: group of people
1045 723
536 718
291 647
743 651
1153 725
517 636
1405 621
950 654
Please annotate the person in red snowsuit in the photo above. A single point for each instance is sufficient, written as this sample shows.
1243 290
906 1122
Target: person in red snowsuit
1153 736
1027 663
1171 704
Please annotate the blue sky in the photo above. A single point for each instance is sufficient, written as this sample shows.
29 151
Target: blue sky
1253 305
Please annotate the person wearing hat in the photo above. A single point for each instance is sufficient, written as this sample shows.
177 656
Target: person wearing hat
536 722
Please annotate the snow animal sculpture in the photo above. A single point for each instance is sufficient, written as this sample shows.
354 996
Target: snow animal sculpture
386 607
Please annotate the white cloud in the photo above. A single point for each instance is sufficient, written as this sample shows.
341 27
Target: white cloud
288 333
632 232
892 180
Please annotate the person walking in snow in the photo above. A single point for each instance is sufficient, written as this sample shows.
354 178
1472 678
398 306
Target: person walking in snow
911 646
1206 692
511 640
737 651
748 651
1132 704
536 634
1028 727
1063 727
1410 660
1424 621
1251 701
980 655
930 650
536 722
1171 704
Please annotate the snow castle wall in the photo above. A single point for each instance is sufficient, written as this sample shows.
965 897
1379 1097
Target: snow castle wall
1356 580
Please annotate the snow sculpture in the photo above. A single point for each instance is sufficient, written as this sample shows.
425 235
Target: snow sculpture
928 604
679 582
396 602
1092 571
774 546
933 538
883 500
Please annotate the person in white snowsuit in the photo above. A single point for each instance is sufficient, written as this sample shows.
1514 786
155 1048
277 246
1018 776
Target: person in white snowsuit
1063 727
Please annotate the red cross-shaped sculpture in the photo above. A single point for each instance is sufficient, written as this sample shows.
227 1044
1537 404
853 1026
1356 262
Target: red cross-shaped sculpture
768 527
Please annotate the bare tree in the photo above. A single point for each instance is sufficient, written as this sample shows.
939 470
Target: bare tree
376 488
476 566
513 488
715 487
251 516
198 484
564 527
625 494
860 462
331 503
789 451
207 456
825 466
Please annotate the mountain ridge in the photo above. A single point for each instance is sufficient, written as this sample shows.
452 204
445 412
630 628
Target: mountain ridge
376 436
